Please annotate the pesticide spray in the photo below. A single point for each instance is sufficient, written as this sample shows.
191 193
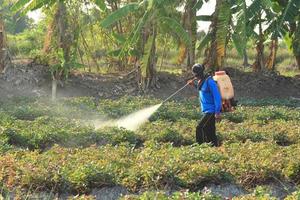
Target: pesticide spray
135 120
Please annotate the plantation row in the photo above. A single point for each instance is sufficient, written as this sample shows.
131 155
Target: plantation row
48 147
152 167
259 193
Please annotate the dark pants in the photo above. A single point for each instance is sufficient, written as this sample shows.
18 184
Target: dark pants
206 130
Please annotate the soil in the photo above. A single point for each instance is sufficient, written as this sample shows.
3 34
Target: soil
35 80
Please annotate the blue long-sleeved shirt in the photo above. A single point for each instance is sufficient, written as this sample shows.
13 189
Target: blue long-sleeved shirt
210 97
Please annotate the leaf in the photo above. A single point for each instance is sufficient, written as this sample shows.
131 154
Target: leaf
18 5
150 4
134 35
267 3
204 17
254 8
290 12
119 14
147 54
119 38
239 36
26 5
204 42
177 28
288 41
238 43
114 53
34 5
101 4
223 27
198 5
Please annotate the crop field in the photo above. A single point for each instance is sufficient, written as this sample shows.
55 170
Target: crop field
48 150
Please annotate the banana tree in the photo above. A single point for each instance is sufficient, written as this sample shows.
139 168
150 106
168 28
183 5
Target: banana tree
223 29
155 17
189 20
61 41
279 20
291 19
218 35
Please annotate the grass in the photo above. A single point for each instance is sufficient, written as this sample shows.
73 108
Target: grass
45 147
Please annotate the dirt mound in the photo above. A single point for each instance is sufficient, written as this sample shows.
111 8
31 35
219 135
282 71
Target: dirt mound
23 80
35 80
264 85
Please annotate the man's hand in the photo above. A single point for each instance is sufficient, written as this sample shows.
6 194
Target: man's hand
218 117
191 82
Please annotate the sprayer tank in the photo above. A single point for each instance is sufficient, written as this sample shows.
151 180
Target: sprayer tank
224 84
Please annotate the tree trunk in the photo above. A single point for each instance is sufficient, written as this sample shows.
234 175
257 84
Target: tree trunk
54 88
64 37
151 67
298 61
164 54
5 59
270 62
259 62
191 26
296 44
246 62
2 46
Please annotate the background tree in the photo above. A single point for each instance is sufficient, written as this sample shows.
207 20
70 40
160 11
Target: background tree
155 16
218 34
61 41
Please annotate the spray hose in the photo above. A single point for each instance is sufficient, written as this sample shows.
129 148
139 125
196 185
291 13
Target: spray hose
172 95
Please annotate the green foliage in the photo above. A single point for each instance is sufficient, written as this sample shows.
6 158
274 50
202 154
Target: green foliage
44 149
119 14
294 195
24 6
260 193
27 42
175 27
175 196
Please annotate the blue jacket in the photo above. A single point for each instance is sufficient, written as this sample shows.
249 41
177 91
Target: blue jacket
210 97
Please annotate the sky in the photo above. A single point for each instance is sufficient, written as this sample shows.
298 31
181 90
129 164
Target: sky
207 9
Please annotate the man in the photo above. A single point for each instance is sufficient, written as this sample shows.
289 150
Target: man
211 104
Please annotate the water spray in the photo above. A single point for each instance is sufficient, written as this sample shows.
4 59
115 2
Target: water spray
135 120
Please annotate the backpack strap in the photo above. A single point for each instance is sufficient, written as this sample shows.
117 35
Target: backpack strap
206 77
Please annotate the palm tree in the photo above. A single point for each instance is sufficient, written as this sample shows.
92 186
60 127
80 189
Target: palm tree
291 18
155 17
190 24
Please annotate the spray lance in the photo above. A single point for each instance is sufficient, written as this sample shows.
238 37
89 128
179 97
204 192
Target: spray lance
172 95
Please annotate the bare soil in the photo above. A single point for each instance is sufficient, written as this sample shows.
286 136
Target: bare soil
35 80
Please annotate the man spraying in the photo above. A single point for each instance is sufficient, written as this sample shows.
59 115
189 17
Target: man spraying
211 105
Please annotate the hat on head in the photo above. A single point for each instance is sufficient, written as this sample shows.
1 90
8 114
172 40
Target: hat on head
198 70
